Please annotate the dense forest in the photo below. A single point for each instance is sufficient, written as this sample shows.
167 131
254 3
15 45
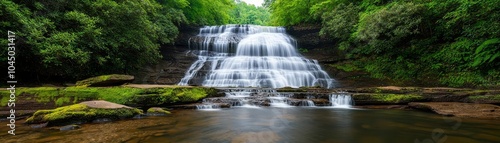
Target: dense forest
70 39
453 42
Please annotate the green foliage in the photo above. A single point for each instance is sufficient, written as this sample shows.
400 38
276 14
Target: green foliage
303 50
340 22
292 12
347 67
453 42
245 13
388 26
78 39
208 12
487 52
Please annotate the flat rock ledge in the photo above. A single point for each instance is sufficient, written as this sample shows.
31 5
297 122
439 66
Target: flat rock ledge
462 110
106 80
104 104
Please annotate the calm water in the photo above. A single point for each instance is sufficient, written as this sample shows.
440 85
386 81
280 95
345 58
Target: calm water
296 124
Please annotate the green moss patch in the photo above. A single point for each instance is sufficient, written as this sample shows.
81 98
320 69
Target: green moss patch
120 95
388 98
157 111
491 98
105 80
396 98
79 113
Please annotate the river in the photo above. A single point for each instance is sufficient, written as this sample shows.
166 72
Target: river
271 124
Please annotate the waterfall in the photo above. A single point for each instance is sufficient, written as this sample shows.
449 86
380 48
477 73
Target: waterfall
341 100
250 56
307 103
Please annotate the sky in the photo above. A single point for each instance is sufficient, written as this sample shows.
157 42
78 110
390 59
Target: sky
254 2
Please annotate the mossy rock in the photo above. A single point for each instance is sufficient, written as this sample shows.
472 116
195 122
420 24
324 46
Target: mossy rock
83 112
491 99
106 80
385 98
156 111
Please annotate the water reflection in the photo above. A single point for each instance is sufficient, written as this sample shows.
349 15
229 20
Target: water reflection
270 124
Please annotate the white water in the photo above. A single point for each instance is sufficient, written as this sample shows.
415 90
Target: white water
208 107
341 100
251 56
307 103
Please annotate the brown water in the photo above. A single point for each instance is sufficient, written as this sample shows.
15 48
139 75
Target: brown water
269 124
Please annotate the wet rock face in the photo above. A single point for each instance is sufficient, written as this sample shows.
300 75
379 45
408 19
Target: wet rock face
176 60
465 110
169 70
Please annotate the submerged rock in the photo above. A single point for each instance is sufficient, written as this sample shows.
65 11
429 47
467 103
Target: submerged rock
69 127
37 126
466 110
157 111
106 80
83 112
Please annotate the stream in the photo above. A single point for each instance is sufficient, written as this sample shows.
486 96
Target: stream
275 124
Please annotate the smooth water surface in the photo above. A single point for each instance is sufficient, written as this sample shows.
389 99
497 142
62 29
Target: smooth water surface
270 124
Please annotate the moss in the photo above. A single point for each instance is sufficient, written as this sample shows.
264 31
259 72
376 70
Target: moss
5 96
180 94
79 113
120 95
156 110
397 98
290 89
61 100
41 94
485 97
105 80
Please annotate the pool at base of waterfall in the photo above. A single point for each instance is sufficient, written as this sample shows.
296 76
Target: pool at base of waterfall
272 124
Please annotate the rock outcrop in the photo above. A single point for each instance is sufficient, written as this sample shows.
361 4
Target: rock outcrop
463 110
83 112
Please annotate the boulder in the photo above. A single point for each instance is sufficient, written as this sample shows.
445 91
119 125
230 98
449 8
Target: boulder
465 110
106 80
157 111
83 112
69 127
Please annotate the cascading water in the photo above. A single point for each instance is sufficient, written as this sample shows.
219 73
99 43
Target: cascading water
207 107
250 56
341 100
307 103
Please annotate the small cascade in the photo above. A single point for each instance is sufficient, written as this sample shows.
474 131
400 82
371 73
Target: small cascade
280 100
341 100
307 103
206 106
259 97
